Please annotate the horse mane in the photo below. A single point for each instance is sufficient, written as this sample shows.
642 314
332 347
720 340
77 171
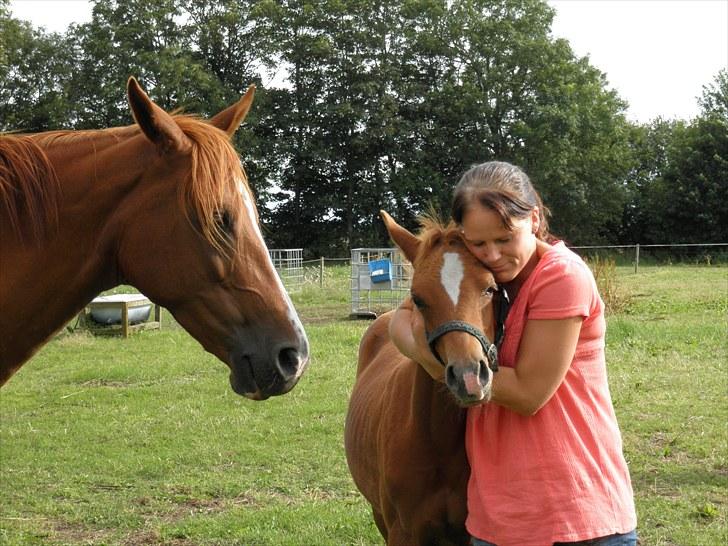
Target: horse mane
29 187
66 136
216 169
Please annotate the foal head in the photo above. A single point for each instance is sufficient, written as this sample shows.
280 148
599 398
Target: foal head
456 295
196 248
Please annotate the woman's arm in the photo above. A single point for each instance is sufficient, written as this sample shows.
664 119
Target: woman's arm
545 354
546 351
407 331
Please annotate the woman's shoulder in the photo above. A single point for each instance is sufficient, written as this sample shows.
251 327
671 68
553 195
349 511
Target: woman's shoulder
561 266
560 260
562 284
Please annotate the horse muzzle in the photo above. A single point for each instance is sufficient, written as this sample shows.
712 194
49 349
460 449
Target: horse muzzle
260 376
469 383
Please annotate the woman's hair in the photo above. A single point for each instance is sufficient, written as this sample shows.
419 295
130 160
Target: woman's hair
503 188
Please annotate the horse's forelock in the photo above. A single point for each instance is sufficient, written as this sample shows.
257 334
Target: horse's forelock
216 171
433 232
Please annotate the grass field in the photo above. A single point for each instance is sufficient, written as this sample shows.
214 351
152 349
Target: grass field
106 441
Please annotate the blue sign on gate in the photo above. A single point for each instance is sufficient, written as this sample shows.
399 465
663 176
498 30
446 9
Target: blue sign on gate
380 270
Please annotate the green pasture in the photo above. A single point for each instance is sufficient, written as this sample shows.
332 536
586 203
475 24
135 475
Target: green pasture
105 441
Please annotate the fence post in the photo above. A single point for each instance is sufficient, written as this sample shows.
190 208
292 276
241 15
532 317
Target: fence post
636 257
321 275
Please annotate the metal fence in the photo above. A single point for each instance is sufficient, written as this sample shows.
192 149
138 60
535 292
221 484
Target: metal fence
289 266
380 280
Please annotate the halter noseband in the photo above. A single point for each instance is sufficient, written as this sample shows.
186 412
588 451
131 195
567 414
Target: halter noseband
489 349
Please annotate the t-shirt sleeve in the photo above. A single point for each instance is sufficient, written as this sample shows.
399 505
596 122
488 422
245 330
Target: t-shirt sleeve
564 288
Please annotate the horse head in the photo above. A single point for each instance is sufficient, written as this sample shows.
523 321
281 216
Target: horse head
195 246
456 296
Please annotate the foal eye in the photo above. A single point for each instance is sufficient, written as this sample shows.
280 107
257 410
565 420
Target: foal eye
419 302
490 291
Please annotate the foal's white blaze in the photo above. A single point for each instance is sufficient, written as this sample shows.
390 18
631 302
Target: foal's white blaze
292 314
451 275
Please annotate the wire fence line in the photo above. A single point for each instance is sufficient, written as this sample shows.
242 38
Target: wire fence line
637 247
706 258
297 272
341 277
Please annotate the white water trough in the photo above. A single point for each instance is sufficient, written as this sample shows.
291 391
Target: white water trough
109 309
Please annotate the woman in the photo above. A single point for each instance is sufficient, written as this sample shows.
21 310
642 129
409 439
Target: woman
546 452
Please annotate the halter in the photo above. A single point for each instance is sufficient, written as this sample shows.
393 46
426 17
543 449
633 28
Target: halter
490 349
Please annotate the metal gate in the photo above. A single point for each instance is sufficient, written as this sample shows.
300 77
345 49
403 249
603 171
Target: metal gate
380 281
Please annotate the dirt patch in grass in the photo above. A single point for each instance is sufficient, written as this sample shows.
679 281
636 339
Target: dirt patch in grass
63 532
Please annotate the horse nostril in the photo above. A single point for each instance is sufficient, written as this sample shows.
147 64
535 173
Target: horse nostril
484 372
450 378
288 362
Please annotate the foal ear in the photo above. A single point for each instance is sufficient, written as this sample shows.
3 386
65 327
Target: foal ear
405 240
230 119
155 123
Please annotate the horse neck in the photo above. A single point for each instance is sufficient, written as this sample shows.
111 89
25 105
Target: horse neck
51 281
439 417
96 174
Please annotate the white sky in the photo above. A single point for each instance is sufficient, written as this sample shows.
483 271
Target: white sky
658 54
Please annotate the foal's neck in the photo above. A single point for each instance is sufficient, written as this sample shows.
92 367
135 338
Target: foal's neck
441 417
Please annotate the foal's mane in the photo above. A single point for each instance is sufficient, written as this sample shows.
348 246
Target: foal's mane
29 187
434 231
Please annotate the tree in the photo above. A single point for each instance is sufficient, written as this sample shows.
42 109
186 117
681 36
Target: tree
374 105
142 38
34 69
688 201
514 93
680 181
714 101
650 146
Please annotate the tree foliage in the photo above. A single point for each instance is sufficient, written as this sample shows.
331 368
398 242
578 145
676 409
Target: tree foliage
365 105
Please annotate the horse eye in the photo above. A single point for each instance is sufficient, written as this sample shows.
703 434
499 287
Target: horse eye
419 302
225 220
489 291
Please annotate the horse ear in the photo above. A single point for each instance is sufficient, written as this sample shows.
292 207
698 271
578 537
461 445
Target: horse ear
405 240
155 123
230 119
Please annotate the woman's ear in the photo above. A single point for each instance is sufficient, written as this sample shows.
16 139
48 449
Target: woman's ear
535 220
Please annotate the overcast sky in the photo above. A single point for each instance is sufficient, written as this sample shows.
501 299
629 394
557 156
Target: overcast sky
658 54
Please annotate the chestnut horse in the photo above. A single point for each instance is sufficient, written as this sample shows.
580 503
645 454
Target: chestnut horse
163 205
405 430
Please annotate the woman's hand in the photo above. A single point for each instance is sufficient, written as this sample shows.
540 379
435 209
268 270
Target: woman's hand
407 331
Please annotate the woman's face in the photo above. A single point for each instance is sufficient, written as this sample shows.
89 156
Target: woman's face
505 252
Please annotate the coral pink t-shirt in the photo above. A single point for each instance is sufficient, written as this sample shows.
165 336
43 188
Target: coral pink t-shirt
559 475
